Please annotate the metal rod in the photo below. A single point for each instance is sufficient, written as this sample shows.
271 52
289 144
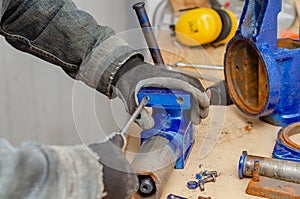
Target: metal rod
136 113
200 66
148 33
193 74
269 167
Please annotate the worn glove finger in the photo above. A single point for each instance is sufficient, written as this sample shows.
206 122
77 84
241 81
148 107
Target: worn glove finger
197 114
119 179
145 120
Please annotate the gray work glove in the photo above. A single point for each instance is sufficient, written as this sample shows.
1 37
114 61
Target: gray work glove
119 179
136 74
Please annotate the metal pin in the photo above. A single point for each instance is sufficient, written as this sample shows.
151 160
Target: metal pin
136 113
192 74
200 66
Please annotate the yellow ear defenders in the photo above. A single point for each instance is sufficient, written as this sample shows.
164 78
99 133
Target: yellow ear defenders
205 25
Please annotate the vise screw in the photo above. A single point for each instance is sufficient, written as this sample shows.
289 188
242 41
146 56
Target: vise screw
262 72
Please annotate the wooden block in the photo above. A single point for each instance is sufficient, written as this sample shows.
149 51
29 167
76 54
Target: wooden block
178 5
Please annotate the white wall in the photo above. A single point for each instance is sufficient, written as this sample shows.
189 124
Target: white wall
36 97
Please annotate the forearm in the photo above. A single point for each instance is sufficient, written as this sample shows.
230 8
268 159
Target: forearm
58 32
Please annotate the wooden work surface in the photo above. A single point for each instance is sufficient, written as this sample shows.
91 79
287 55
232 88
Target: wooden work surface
178 6
220 138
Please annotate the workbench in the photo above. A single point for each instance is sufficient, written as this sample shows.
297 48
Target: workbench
220 138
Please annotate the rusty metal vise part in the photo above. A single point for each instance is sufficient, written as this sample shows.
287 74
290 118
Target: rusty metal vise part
270 187
262 73
285 148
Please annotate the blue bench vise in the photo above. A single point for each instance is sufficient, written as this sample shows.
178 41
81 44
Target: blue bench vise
170 111
263 72
168 144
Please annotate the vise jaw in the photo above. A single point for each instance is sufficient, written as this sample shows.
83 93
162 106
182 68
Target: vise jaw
170 111
263 72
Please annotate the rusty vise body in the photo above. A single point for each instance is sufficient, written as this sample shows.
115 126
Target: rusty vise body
263 72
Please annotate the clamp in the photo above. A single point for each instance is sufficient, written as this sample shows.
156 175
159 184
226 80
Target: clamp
167 145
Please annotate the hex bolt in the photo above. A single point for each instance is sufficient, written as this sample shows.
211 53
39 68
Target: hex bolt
210 173
211 178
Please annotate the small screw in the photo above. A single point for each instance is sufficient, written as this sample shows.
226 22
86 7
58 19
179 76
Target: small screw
211 178
209 173
201 185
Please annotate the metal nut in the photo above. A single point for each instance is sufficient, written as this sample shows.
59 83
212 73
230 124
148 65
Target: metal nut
192 184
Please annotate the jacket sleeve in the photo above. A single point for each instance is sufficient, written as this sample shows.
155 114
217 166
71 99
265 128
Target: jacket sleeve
36 171
96 171
58 32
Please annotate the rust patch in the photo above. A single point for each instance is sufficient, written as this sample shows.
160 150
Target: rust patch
273 189
246 76
288 43
249 126
290 131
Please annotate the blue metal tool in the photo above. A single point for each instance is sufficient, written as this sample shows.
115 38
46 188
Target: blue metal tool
285 148
168 144
263 73
170 111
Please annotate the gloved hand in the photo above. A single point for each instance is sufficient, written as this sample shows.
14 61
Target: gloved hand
119 179
136 74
